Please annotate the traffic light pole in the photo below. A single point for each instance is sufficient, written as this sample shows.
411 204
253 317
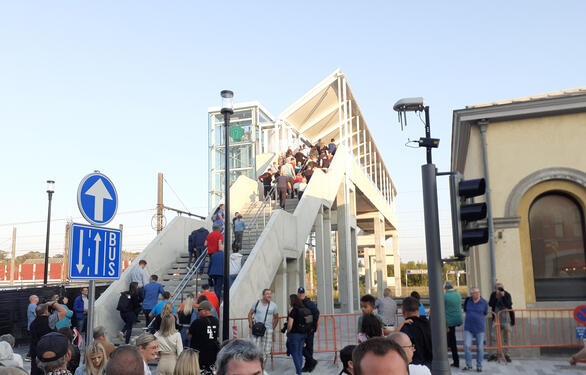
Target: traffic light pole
440 365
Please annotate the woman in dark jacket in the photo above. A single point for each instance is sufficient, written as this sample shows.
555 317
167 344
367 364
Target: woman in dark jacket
128 304
295 334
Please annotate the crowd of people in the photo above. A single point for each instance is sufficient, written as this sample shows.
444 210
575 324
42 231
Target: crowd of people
292 171
187 342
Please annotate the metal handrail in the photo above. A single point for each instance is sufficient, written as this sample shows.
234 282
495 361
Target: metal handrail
265 201
193 271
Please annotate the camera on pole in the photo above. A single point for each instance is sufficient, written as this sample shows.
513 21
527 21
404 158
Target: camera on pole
466 229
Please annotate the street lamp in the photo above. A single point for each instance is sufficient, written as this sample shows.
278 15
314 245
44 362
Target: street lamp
440 364
227 110
50 191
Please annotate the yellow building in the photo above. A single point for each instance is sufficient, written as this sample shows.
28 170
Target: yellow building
532 151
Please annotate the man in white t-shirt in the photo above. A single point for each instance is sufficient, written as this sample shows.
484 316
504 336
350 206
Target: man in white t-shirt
264 311
405 342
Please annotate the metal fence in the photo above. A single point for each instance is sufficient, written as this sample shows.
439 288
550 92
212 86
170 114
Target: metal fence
533 328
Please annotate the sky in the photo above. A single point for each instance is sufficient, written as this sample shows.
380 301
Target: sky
124 87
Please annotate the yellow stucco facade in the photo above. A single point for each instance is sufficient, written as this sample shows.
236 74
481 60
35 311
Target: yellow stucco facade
532 147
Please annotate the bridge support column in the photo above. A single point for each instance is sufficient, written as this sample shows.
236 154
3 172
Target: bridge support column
323 263
347 288
279 288
381 256
293 276
397 263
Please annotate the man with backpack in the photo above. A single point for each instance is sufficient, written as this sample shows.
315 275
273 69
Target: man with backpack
310 362
196 245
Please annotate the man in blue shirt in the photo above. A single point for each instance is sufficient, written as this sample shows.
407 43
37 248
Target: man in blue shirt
159 306
151 296
476 309
216 272
30 315
239 227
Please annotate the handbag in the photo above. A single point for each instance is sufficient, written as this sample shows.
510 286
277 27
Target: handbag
259 329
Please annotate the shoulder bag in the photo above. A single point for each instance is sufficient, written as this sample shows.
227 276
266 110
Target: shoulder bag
258 328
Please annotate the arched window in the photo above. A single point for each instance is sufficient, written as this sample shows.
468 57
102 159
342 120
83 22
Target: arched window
556 224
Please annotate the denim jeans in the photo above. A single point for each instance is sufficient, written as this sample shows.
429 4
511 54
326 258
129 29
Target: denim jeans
295 343
218 284
128 317
468 336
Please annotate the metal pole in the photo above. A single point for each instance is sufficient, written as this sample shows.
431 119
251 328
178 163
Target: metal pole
427 133
160 205
227 221
47 240
90 312
13 257
440 363
483 126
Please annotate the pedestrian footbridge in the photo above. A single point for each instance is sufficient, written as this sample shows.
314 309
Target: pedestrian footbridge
338 230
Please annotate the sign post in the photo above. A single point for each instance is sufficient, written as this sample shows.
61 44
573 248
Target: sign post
95 253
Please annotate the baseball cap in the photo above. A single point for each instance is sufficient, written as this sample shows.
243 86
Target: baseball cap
52 346
301 290
205 305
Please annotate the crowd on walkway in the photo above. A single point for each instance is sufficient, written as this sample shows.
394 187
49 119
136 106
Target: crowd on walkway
186 341
292 171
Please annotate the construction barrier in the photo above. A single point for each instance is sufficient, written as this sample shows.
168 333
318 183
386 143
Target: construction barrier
533 328
536 328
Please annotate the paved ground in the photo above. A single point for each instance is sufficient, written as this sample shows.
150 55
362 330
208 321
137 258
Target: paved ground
283 365
551 366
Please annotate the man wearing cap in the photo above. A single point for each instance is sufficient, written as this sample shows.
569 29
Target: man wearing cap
43 324
52 354
310 362
203 333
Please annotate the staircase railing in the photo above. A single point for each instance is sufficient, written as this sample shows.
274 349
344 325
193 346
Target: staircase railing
191 273
268 200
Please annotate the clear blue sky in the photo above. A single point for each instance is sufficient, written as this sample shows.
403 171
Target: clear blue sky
124 87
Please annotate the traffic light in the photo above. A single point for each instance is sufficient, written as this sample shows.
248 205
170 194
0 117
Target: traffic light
465 214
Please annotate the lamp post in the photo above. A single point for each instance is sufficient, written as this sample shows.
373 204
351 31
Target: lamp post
227 110
440 364
50 191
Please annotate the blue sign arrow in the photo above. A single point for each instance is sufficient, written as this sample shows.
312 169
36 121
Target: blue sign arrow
97 199
94 253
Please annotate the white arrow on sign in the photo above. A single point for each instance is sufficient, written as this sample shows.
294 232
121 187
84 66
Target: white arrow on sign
79 263
99 192
97 238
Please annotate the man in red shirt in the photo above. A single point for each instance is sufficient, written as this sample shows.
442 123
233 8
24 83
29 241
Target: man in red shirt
214 241
211 296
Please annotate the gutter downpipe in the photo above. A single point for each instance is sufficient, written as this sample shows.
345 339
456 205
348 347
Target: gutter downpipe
483 125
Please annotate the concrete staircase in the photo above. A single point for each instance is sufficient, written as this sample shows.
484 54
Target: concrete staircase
255 227
173 276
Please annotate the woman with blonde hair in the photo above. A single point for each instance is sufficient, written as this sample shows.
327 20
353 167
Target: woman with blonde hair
148 347
184 317
170 345
187 363
95 359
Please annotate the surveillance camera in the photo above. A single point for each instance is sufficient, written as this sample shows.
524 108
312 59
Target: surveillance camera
409 104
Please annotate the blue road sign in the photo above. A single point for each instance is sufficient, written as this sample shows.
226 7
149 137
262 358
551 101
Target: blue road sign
97 199
581 332
94 253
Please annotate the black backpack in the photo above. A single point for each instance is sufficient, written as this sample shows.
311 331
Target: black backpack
124 303
306 325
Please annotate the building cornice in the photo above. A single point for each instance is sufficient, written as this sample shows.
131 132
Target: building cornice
463 119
